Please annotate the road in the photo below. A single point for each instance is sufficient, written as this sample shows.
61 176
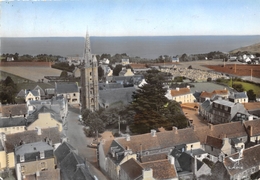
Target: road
76 137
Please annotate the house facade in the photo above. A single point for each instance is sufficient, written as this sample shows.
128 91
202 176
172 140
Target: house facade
33 158
224 111
238 97
70 91
181 95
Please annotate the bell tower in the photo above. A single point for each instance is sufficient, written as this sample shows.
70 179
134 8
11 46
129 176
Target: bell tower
89 79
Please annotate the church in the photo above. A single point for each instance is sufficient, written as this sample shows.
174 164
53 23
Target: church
89 79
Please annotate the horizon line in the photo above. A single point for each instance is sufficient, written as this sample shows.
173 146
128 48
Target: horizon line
119 36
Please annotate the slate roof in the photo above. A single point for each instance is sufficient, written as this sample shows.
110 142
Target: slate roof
154 157
42 93
50 91
185 160
252 106
45 175
238 95
224 102
132 168
82 173
214 142
14 109
136 79
162 169
21 94
162 140
181 91
62 151
34 92
104 86
13 140
229 130
206 105
73 167
254 125
250 159
44 109
63 88
111 96
32 151
13 122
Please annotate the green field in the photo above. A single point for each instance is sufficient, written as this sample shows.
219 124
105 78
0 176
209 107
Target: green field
23 83
247 86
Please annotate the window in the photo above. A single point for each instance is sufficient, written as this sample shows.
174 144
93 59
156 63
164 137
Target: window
253 170
74 94
42 154
22 168
43 165
212 148
21 158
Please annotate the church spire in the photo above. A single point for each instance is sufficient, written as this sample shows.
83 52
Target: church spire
87 52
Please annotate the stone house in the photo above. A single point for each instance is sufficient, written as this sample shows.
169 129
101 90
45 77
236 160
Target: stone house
224 111
217 148
205 110
32 158
223 93
70 91
181 95
137 146
71 165
240 165
10 141
33 95
126 72
238 97
253 130
12 125
44 118
13 110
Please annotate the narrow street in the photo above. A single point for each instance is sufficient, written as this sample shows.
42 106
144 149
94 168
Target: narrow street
76 137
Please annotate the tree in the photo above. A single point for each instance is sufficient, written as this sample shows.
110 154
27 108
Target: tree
93 121
251 95
117 70
8 89
100 72
238 87
184 57
64 74
148 104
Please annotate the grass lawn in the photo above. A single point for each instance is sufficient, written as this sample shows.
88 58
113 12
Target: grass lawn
247 86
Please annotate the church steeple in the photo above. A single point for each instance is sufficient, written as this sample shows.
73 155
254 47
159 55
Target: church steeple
89 79
87 52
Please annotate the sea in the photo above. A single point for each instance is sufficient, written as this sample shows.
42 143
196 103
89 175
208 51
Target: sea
149 47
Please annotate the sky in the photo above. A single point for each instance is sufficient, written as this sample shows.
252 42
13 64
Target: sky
49 18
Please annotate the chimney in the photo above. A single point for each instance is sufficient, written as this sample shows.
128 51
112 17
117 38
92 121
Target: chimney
127 137
177 89
148 173
210 126
250 130
39 130
153 132
175 130
171 159
194 127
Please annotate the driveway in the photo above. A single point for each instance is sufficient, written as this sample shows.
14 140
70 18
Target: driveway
78 140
